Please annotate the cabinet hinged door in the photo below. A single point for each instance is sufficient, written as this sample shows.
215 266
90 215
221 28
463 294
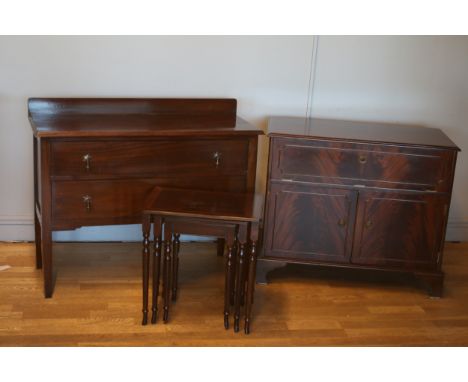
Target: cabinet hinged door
309 223
399 229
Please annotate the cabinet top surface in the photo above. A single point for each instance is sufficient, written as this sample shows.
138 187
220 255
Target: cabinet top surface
205 204
133 117
376 132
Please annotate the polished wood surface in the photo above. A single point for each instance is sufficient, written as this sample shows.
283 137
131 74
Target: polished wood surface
133 117
96 159
338 196
146 158
417 220
118 201
359 131
234 217
310 224
217 205
99 288
372 165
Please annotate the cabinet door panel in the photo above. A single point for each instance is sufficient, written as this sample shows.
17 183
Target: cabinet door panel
309 223
399 229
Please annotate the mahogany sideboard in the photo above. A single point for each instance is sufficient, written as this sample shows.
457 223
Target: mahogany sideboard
96 159
357 195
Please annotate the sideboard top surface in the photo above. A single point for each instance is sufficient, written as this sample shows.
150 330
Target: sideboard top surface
380 132
136 117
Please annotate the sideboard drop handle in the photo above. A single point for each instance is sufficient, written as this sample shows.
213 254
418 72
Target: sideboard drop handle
87 160
217 158
87 202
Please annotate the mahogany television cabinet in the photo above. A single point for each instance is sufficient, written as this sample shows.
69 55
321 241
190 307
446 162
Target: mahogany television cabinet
357 195
96 159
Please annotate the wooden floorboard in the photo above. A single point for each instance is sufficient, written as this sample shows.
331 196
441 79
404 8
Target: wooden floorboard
98 292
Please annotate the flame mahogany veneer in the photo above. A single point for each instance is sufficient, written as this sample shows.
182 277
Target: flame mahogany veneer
358 195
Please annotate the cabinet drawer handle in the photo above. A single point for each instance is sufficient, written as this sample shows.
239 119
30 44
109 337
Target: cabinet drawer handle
341 222
362 159
87 160
368 224
217 158
87 202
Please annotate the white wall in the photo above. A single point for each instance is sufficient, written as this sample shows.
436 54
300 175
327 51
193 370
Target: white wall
407 79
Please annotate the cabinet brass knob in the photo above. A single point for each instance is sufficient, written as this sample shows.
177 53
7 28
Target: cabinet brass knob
87 161
217 158
362 159
87 202
368 224
341 222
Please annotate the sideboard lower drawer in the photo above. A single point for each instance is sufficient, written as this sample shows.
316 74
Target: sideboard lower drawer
102 202
139 158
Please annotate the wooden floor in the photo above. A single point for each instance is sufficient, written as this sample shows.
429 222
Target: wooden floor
97 302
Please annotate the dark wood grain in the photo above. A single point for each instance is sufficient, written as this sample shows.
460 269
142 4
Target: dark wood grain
145 266
235 217
358 195
309 223
46 221
167 274
157 249
415 219
217 205
96 159
114 117
386 166
251 270
360 131
171 157
37 223
175 264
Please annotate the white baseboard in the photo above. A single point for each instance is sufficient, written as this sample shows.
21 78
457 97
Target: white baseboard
457 231
21 228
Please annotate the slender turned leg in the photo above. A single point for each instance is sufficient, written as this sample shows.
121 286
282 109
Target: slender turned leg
167 273
250 286
228 276
175 265
239 286
232 287
156 267
244 274
145 258
221 244
163 272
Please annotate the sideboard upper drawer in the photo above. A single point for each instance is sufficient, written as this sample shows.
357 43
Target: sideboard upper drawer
164 158
355 163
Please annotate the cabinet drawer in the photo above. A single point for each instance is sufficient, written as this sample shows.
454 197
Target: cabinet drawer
368 164
164 158
103 202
